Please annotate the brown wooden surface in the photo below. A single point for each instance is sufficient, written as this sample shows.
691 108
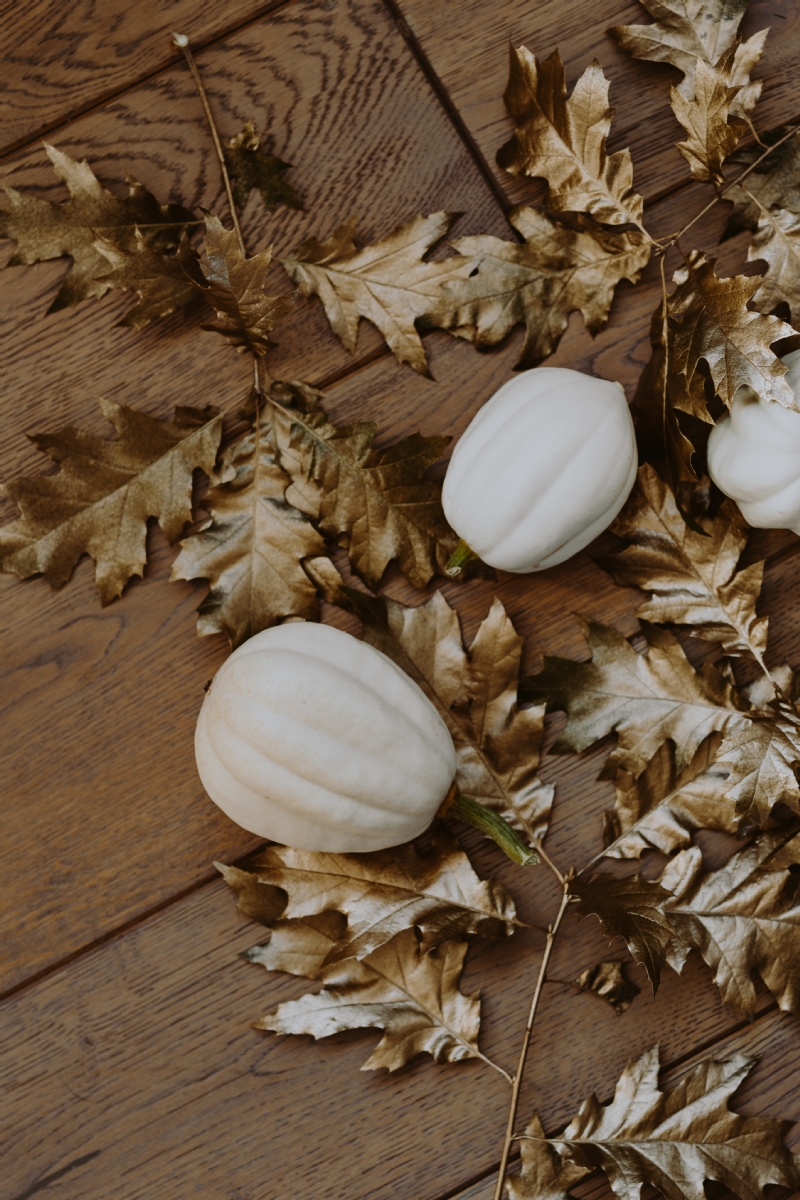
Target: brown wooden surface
129 1069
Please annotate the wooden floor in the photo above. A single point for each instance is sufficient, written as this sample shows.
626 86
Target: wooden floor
129 1067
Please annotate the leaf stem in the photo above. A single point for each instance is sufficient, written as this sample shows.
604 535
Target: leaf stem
181 42
515 1089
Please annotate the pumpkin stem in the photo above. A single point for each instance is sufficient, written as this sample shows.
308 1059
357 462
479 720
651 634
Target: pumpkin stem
462 555
456 804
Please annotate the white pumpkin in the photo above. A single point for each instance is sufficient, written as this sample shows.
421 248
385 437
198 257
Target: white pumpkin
754 456
543 468
310 737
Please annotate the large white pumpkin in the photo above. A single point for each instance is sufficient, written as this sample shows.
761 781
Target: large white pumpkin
310 737
543 468
754 456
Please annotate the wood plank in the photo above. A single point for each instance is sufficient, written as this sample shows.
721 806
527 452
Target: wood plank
469 55
135 1066
59 61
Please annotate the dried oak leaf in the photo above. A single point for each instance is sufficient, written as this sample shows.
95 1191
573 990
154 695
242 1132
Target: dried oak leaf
564 140
386 891
257 901
742 918
387 283
43 230
249 167
774 183
692 577
379 500
234 287
645 698
713 324
679 1139
413 996
253 548
688 32
661 809
705 118
538 284
777 243
544 1175
498 744
607 981
632 909
100 500
302 946
163 283
763 760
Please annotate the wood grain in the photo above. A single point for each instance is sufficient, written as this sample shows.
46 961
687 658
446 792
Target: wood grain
469 55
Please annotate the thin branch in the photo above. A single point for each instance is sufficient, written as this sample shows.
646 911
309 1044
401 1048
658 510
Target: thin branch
512 1112
181 41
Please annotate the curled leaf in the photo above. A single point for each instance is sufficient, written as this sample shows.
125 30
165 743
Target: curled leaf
249 167
607 981
632 909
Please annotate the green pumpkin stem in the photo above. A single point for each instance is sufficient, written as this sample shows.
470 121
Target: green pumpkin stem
462 555
456 804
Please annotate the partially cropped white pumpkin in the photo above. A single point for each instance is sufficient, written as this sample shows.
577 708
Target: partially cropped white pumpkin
310 737
543 468
754 456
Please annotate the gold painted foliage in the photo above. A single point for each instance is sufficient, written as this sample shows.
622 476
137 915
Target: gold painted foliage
563 140
777 243
705 118
100 500
774 183
674 1140
607 981
632 909
250 168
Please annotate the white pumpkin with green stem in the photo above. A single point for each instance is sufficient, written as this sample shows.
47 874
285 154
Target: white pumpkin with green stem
310 737
543 468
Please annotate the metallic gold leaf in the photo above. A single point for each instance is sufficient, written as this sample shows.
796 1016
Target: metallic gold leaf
544 1175
763 760
774 183
714 325
661 809
387 283
632 909
379 500
234 287
411 995
498 745
257 901
384 892
100 500
302 946
692 578
742 918
564 140
607 981
777 243
705 118
538 284
679 1139
162 283
645 698
250 168
43 230
253 549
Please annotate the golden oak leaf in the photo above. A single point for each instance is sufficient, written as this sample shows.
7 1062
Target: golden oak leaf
692 577
234 287
544 1175
249 167
607 981
714 325
43 230
763 761
302 946
540 283
564 140
679 1139
100 500
498 745
661 809
742 918
253 548
644 698
777 243
689 32
413 996
387 283
386 891
257 901
632 909
705 118
379 500
163 283
774 183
